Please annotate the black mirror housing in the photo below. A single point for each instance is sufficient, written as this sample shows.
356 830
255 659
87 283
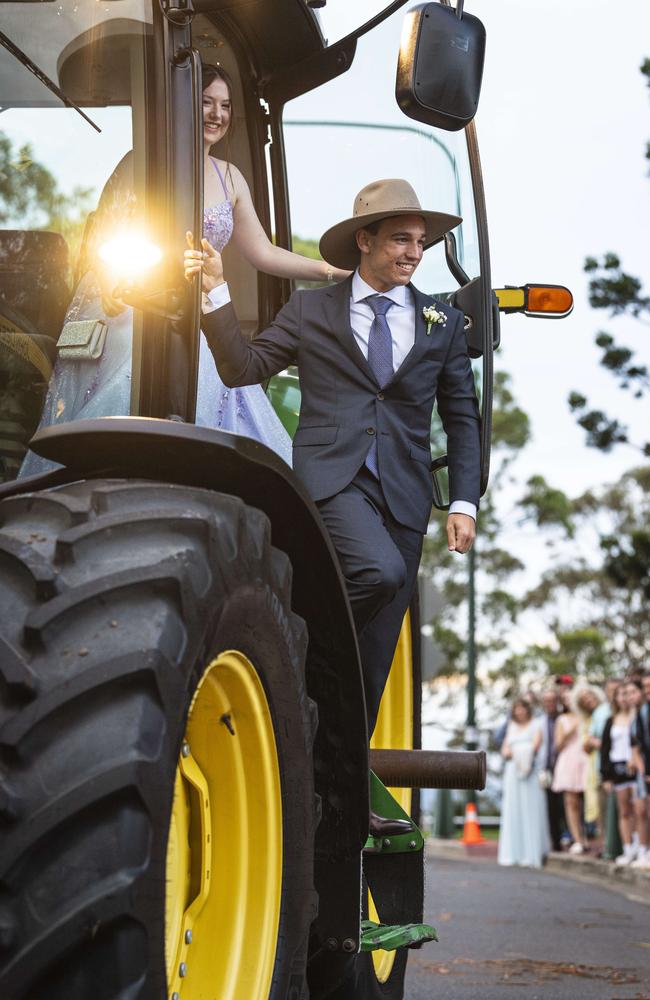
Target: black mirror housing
440 66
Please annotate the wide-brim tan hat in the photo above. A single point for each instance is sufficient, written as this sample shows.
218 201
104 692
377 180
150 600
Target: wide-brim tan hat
376 201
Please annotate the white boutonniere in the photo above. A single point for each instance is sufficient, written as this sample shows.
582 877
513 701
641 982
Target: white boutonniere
431 316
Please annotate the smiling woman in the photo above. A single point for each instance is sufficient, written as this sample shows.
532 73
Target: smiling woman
78 389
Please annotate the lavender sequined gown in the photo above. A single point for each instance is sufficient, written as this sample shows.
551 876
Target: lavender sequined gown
80 390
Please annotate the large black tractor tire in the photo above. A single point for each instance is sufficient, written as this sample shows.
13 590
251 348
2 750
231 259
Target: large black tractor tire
364 985
153 843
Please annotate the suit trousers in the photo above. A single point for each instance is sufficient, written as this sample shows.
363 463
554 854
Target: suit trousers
556 821
379 559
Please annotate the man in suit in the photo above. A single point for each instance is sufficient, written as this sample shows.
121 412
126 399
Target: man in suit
371 366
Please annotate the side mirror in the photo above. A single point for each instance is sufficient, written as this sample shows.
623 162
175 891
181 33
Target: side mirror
440 65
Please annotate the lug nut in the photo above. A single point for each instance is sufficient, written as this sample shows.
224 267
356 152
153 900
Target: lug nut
182 970
349 945
386 842
412 844
332 944
188 934
185 750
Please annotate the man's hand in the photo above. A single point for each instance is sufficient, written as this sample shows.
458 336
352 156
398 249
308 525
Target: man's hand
461 532
206 262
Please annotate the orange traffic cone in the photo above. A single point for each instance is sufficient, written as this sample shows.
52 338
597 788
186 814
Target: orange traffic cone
471 828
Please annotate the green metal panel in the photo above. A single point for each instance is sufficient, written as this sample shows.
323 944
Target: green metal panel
384 804
375 936
284 392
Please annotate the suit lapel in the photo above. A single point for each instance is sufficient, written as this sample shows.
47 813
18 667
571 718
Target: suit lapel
338 307
421 341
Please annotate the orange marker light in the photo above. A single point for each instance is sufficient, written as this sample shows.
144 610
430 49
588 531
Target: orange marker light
550 299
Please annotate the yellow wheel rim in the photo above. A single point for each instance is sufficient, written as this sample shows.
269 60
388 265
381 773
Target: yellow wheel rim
224 852
394 730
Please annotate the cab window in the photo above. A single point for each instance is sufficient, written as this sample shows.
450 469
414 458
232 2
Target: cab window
64 188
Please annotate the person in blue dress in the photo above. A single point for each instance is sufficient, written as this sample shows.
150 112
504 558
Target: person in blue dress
81 389
524 834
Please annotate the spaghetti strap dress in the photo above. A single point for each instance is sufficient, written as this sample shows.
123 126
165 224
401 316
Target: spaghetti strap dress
81 389
524 833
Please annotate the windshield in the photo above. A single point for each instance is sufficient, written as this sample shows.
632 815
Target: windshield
330 157
65 190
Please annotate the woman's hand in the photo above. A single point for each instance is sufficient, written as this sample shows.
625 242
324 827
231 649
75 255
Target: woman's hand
206 261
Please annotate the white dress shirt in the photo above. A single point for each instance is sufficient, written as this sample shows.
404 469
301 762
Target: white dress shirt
401 319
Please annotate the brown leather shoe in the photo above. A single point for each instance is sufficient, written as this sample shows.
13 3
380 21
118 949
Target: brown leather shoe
383 826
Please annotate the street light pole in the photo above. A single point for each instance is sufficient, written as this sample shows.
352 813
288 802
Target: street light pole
471 734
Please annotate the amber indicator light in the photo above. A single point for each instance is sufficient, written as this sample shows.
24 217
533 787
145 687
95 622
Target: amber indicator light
549 299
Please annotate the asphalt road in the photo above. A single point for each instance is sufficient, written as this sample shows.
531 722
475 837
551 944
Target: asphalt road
517 933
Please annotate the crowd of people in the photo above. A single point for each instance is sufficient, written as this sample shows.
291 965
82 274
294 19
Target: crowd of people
567 754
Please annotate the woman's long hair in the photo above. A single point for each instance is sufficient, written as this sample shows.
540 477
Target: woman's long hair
210 73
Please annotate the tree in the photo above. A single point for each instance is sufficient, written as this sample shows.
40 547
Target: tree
497 605
611 288
31 199
595 601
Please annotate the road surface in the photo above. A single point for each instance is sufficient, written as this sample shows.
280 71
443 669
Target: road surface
518 933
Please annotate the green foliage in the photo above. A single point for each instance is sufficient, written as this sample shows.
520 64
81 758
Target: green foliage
30 197
308 248
611 288
602 597
510 425
547 506
603 432
581 651
496 564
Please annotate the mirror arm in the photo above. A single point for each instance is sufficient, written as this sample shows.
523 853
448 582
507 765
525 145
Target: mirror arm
454 265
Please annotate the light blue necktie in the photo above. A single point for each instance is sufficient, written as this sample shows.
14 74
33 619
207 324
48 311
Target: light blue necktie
380 357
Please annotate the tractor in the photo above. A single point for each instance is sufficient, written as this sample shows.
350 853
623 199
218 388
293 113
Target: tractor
185 771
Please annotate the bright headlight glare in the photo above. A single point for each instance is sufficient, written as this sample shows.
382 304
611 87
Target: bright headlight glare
129 254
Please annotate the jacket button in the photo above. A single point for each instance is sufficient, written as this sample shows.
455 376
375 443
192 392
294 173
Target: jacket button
380 395
370 430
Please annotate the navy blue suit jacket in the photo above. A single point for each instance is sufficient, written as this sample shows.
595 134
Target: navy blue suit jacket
343 409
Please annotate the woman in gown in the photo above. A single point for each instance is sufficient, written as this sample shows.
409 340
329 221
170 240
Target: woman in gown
524 836
81 389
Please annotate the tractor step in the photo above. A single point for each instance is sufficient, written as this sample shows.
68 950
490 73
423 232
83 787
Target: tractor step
430 768
390 938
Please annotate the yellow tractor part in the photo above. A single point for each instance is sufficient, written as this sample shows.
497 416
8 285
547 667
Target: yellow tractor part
551 301
224 853
394 730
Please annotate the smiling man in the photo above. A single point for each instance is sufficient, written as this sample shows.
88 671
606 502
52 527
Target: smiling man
373 355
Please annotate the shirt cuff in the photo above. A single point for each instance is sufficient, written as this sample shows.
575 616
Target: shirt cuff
219 296
463 507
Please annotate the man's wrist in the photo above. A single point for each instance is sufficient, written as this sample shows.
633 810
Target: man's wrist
463 507
217 297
